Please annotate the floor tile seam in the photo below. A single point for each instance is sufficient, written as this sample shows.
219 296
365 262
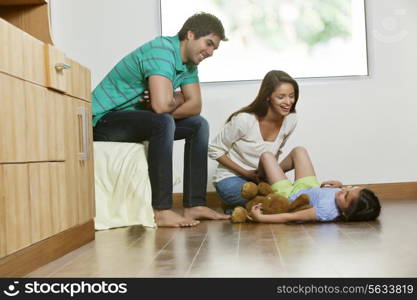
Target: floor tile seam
195 256
84 254
157 254
281 259
238 241
331 265
129 245
60 268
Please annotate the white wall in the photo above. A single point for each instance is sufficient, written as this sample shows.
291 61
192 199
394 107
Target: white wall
358 130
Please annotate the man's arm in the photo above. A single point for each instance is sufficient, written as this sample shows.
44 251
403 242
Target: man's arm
192 101
162 99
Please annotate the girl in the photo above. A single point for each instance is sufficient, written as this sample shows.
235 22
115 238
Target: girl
330 201
264 125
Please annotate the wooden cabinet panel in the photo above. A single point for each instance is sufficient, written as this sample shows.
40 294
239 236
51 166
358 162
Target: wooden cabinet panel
37 123
15 193
56 126
4 50
87 86
86 169
12 120
40 202
33 60
31 122
71 157
62 208
45 124
79 81
47 198
21 2
56 68
32 18
11 49
79 157
2 215
33 204
21 55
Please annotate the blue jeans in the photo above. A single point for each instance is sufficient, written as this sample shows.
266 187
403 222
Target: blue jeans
161 130
229 191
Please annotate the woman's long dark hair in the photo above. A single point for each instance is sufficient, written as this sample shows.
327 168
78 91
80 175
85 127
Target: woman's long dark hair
271 81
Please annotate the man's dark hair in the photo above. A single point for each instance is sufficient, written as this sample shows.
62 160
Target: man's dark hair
202 24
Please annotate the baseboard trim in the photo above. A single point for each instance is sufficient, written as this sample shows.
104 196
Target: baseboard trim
22 262
213 200
394 191
385 191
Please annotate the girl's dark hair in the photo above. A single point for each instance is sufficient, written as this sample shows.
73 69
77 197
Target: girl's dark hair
365 208
271 81
202 24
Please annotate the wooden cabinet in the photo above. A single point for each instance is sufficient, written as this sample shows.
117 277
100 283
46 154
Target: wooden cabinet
44 199
46 157
80 167
78 82
56 68
11 53
32 16
34 67
31 122
14 181
45 119
2 214
12 120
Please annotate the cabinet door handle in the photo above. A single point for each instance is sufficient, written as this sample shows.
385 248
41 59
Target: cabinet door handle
62 66
83 132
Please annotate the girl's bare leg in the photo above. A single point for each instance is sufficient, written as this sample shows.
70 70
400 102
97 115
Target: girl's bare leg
287 164
300 161
272 169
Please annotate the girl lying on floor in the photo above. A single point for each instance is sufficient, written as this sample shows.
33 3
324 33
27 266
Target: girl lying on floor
330 201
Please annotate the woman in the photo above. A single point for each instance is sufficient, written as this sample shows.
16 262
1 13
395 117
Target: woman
262 126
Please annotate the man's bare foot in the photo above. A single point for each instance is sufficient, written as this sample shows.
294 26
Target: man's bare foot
203 212
168 218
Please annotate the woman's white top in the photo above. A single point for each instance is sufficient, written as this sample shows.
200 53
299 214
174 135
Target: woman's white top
241 140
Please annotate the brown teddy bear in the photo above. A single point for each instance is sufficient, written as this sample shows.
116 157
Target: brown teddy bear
271 202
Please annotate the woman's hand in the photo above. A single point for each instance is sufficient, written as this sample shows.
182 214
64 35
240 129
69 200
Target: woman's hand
256 213
252 175
332 184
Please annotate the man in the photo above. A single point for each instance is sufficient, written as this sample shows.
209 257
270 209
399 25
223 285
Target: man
136 102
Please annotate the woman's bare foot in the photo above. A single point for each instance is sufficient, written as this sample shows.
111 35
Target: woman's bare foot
168 218
203 212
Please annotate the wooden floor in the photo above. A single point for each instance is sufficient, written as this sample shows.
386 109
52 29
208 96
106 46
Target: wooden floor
384 248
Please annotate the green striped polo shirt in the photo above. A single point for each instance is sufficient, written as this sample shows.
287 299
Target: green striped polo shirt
124 85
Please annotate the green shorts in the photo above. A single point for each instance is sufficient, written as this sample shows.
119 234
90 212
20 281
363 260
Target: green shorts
286 188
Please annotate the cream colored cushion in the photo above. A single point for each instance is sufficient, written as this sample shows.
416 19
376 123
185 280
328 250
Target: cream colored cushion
122 186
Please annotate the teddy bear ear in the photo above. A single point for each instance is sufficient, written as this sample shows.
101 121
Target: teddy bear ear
264 189
239 215
249 190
